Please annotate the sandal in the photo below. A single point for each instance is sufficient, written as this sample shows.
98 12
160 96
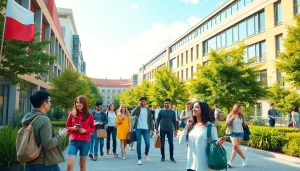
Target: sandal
115 155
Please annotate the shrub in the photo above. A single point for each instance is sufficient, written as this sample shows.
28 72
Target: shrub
58 123
8 154
292 147
257 122
221 128
265 139
58 113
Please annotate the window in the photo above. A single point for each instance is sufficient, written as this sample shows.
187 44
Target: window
241 4
261 22
205 48
108 97
186 57
250 52
223 15
279 45
297 6
262 52
242 30
280 78
263 77
192 71
218 41
119 91
228 12
178 61
178 74
259 50
197 51
108 91
229 37
247 2
223 39
182 74
212 43
181 59
235 33
187 73
172 63
192 58
113 91
234 8
278 13
250 26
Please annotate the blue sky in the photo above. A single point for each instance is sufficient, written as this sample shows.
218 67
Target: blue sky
118 36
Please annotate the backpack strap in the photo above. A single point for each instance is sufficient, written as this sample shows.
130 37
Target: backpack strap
34 119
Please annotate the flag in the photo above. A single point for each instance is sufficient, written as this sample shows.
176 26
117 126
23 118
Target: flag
19 23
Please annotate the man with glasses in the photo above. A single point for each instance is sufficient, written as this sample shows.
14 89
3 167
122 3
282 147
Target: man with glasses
143 126
168 126
50 155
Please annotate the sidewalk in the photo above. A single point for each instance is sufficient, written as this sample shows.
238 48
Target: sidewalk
108 163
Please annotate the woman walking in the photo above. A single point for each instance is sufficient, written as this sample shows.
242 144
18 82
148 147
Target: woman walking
80 124
295 117
111 129
123 122
195 133
234 123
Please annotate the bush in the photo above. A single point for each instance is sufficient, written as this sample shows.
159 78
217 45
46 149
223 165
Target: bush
257 122
8 154
221 128
292 147
58 123
58 113
266 139
17 118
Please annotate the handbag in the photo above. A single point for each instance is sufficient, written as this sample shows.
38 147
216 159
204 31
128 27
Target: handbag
216 155
246 131
101 133
157 142
133 135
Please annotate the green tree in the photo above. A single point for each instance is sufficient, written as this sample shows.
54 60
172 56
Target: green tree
95 95
284 98
23 58
289 60
228 79
167 85
66 88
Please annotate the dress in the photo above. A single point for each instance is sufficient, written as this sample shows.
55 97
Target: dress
124 128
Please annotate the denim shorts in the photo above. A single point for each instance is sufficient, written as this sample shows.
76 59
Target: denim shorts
237 135
81 146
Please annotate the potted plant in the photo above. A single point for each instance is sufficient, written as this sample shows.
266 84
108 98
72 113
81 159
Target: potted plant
8 154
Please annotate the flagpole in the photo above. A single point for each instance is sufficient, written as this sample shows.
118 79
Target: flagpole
2 37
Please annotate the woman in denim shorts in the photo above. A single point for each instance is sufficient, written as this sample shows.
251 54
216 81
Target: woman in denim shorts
234 123
80 125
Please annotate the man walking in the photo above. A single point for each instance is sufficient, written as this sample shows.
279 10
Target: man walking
144 127
272 114
50 155
186 114
168 126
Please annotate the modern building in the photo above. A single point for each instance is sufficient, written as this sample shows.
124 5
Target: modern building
134 79
71 37
109 88
261 24
16 97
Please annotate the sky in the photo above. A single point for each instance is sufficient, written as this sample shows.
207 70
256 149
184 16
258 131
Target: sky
118 36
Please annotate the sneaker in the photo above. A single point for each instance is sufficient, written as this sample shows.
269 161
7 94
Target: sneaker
130 148
107 152
245 162
162 159
173 160
140 162
91 155
229 164
101 153
147 158
95 158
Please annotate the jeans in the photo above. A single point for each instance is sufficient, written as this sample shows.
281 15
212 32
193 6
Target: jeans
96 145
92 141
272 123
163 140
237 135
42 168
111 130
77 145
146 135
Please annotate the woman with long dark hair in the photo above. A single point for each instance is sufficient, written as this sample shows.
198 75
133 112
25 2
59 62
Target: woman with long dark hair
195 133
111 129
295 117
80 124
234 123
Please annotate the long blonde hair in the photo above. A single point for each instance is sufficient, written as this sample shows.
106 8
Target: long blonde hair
126 110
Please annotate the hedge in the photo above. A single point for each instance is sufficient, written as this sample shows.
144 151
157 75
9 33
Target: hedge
58 123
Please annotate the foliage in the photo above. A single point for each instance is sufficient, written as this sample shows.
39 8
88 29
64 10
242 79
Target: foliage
66 88
58 113
292 147
24 58
8 155
289 60
95 95
257 122
58 123
17 117
167 85
228 79
284 99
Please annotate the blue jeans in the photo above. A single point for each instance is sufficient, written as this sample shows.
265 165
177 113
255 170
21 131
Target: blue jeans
163 140
146 135
42 168
237 135
81 146
92 141
272 123
96 145
111 130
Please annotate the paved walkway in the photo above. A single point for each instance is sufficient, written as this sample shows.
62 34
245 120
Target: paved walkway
108 163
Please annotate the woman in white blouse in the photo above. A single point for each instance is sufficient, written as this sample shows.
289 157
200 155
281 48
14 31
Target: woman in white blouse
195 133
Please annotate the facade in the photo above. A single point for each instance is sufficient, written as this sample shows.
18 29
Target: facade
109 88
134 79
261 24
16 97
71 37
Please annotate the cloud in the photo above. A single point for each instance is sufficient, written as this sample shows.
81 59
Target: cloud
134 6
191 1
193 20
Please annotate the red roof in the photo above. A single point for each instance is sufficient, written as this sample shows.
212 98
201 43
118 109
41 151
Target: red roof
112 82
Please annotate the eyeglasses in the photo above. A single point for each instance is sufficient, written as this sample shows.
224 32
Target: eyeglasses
49 101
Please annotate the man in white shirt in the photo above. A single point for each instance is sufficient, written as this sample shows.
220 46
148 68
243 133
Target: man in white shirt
186 114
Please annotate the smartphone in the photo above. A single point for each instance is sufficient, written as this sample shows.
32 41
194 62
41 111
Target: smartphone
78 125
226 137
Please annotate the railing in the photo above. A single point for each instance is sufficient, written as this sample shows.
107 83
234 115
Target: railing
280 121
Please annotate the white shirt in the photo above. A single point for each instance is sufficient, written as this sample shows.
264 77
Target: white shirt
237 125
143 119
156 112
186 113
196 155
111 119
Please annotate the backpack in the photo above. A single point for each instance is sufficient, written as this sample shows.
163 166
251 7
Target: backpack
216 155
221 116
27 149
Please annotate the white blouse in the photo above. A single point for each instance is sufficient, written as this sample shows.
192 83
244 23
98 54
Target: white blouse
197 143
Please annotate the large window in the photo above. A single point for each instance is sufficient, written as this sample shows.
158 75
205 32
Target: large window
278 13
241 4
187 73
262 52
250 26
113 91
279 45
234 8
242 30
172 63
182 74
297 6
192 71
258 50
229 37
248 2
261 22
250 52
263 77
280 78
235 33
103 90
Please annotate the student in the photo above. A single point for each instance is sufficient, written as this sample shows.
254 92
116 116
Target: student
295 117
50 155
80 124
111 129
272 114
186 114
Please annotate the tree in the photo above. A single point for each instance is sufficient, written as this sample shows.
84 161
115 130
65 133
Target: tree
228 79
66 88
24 58
95 95
289 60
167 85
284 98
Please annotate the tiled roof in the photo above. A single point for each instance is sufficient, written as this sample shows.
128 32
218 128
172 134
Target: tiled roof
112 82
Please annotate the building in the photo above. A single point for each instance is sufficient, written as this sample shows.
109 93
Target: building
109 88
261 24
134 79
16 97
71 37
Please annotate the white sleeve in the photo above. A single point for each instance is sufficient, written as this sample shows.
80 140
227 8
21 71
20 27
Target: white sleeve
182 138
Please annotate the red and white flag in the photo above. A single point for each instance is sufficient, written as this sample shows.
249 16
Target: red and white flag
19 23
